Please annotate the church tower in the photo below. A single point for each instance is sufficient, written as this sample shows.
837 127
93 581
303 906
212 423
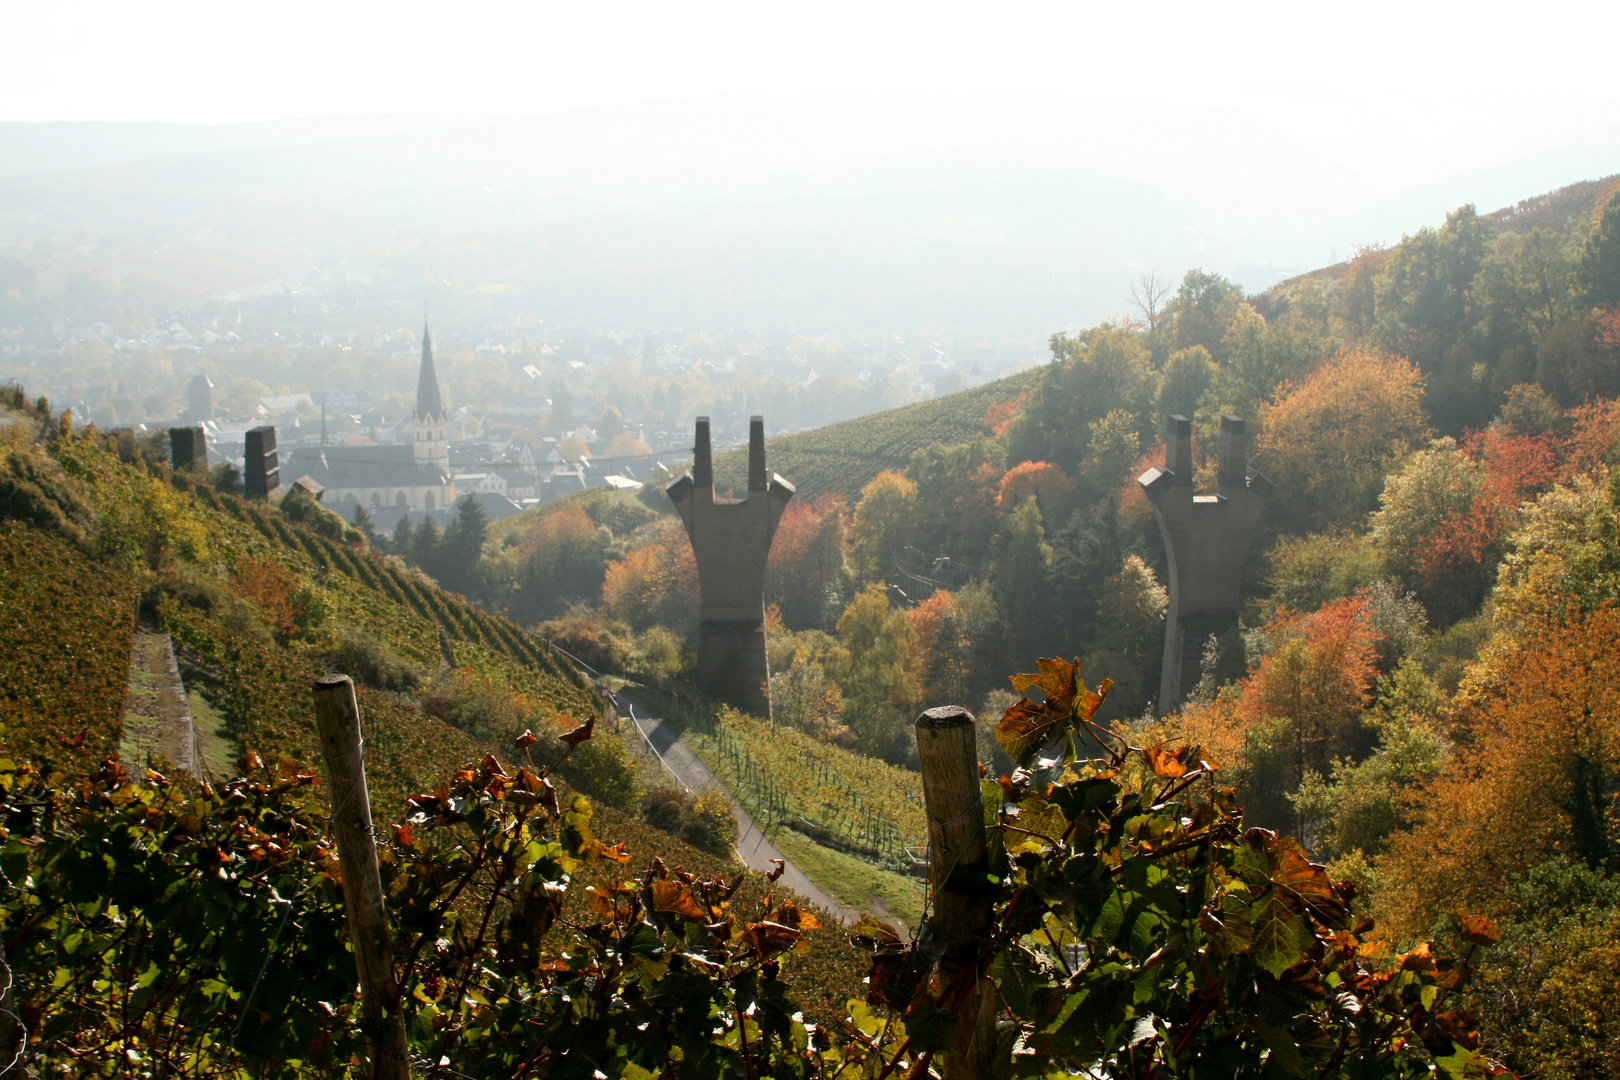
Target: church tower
432 426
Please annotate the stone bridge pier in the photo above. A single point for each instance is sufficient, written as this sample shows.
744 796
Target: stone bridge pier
1206 540
732 541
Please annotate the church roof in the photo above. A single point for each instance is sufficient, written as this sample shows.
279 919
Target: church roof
364 467
429 406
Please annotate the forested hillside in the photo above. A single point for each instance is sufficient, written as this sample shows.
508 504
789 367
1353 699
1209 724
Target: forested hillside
1419 690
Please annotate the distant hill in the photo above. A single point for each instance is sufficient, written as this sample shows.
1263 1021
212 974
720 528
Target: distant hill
1566 211
844 457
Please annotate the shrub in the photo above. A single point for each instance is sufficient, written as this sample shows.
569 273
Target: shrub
371 662
300 506
705 822
665 808
34 489
709 825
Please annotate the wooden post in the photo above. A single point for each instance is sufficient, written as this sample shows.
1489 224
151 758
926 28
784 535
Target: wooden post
948 755
337 718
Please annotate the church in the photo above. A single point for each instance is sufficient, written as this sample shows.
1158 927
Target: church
388 478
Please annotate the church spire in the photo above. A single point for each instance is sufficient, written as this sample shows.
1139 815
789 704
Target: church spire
428 404
324 442
431 429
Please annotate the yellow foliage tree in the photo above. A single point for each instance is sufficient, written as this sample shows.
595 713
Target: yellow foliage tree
885 520
1329 439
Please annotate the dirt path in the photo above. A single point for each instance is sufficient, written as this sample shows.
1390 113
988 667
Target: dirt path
157 719
755 850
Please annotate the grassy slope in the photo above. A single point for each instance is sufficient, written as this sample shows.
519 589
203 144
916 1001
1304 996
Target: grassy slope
853 882
844 457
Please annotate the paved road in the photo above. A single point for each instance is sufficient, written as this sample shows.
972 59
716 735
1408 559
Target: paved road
752 846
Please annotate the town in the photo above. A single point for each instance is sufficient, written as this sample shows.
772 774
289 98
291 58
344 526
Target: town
531 412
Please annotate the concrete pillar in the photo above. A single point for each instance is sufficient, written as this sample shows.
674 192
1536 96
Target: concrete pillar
188 449
732 541
261 471
1206 540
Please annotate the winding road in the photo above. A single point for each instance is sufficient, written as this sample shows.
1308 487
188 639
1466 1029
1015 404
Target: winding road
752 847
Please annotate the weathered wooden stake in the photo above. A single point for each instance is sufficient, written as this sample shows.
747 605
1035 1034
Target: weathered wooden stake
948 755
337 718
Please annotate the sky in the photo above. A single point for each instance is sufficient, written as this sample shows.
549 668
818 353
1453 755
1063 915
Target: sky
1309 129
1413 90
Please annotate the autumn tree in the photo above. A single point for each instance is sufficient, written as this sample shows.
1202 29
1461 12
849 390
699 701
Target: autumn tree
1186 376
656 584
1202 312
958 644
1600 254
1091 374
1262 358
1328 440
885 523
1129 636
1300 709
561 560
627 444
956 497
878 686
1021 571
807 576
1536 777
1042 480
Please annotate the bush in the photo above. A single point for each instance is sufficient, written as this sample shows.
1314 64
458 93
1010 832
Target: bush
34 489
490 713
371 663
705 822
300 506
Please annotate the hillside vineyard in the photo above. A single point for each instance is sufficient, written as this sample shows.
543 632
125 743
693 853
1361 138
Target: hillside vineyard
1234 693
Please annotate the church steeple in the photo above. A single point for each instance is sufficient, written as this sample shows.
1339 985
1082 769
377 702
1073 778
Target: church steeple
428 404
431 427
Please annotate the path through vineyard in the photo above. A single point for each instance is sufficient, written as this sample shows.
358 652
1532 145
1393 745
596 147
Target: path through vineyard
752 847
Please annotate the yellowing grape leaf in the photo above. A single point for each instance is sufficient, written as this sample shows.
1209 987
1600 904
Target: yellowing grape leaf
673 898
1165 763
1030 723
1476 929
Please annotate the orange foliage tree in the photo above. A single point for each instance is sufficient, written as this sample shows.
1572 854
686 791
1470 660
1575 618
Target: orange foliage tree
561 559
1049 484
806 576
1299 709
1456 563
1537 777
656 584
1000 416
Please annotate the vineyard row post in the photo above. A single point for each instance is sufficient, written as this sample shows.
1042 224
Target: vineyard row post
957 858
337 720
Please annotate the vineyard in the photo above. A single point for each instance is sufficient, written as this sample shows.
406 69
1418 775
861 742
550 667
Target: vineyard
844 457
842 800
51 592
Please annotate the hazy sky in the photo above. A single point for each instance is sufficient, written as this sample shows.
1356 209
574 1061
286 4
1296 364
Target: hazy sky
1310 128
1413 89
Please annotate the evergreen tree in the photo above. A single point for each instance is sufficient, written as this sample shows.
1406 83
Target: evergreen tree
404 537
462 547
362 521
426 546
